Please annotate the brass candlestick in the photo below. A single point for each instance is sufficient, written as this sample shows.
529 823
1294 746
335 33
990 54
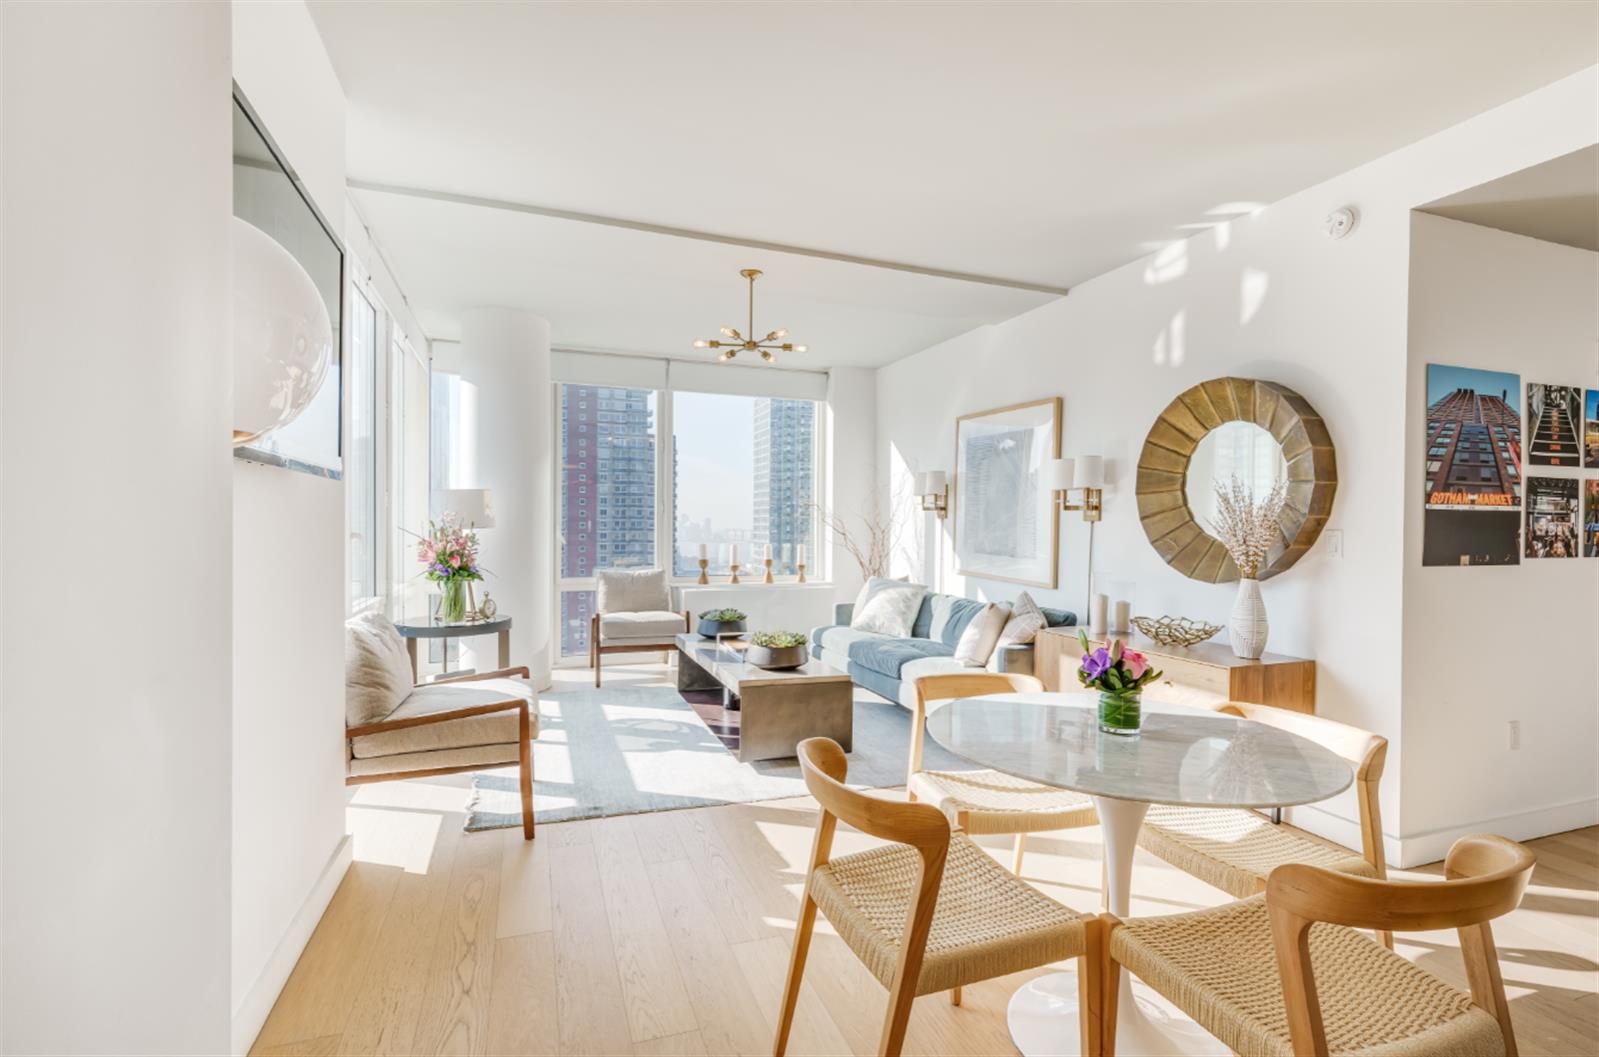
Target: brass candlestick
703 578
768 570
801 568
734 578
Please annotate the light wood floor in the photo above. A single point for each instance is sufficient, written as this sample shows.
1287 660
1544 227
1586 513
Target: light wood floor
669 934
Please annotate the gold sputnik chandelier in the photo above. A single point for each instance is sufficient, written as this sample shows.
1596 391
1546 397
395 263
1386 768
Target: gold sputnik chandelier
747 342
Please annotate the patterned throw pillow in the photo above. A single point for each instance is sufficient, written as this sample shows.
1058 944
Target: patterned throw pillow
977 642
890 607
1026 621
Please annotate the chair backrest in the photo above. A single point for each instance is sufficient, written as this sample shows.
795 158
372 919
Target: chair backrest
951 685
1486 876
632 591
1366 752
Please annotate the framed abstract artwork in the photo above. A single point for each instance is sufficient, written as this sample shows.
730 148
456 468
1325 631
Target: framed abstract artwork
1006 527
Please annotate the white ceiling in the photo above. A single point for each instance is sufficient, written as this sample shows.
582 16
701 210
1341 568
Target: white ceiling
1033 142
1557 201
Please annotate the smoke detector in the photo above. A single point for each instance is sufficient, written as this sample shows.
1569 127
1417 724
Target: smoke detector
1340 222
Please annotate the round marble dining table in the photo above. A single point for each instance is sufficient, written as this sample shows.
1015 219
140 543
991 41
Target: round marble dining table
1183 756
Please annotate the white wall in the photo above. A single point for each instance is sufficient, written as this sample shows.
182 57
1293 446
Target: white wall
116 471
289 848
1268 296
851 468
1487 645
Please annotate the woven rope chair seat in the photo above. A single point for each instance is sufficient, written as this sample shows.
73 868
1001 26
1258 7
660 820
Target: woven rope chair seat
995 802
1218 966
986 923
1235 850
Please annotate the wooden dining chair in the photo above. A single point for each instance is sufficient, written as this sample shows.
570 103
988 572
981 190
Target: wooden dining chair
927 912
1235 849
1285 972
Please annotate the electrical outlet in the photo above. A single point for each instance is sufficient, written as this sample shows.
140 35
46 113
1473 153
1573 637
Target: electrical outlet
1514 734
1335 542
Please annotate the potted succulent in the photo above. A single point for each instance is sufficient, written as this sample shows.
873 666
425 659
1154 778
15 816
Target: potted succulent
714 622
776 649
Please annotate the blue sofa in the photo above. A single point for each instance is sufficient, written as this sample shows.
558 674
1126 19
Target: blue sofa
886 665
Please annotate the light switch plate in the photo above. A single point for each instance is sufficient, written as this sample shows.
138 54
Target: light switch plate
1335 542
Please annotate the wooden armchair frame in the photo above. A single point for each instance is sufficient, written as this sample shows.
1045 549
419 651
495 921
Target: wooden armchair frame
1485 878
524 732
596 650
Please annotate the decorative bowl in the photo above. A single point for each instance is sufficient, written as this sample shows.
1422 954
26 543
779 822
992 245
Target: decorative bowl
1175 631
777 657
709 629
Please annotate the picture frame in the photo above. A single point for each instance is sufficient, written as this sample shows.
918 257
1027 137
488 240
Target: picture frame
1004 523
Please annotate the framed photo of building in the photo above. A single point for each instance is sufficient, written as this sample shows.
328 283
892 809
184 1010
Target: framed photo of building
1554 417
1006 527
1552 510
1472 476
1590 518
1590 439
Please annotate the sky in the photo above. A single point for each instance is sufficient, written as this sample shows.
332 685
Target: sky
1442 380
715 458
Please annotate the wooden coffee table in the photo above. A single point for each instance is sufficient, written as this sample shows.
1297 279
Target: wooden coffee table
778 709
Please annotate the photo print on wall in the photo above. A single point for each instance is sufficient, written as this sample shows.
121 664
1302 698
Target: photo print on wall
1554 415
1473 468
1591 436
1552 517
1590 517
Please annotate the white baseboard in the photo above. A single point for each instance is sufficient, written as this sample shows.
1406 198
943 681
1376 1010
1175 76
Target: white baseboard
252 1011
1423 848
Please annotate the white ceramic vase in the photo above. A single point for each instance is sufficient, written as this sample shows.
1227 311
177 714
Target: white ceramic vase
1248 625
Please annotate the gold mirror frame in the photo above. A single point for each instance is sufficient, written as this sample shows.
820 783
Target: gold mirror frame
1169 447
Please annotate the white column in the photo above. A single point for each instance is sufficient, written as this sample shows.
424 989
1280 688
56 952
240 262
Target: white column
852 466
506 355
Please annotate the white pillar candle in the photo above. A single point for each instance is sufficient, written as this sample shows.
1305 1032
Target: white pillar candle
703 552
799 555
1096 620
733 555
768 554
1124 616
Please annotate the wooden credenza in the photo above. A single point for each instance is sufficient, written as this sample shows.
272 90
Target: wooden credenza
1195 675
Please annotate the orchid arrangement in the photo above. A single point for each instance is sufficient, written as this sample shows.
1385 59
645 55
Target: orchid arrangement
449 551
1114 669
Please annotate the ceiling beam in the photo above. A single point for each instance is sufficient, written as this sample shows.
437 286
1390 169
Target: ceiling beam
702 236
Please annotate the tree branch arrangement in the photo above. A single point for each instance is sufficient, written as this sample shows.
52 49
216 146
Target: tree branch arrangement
1248 527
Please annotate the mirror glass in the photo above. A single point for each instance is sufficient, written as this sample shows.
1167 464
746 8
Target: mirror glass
1233 448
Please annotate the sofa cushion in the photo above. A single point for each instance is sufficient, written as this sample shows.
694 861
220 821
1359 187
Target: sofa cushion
632 591
1026 621
836 637
976 643
494 728
888 655
962 612
377 669
1059 618
484 756
923 666
890 608
651 625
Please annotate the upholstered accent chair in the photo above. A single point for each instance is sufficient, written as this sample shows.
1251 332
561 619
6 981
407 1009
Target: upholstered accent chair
632 613
394 729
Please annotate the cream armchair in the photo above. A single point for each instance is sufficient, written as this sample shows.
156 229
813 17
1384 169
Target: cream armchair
632 613
460 723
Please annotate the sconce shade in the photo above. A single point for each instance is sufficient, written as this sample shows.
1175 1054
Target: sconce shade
919 484
1058 475
475 506
1090 471
282 337
933 481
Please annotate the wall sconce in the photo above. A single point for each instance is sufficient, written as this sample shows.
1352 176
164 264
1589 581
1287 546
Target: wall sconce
933 488
1086 475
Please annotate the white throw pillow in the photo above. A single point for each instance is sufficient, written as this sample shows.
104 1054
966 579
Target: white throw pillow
976 643
1026 621
890 608
633 591
868 588
377 669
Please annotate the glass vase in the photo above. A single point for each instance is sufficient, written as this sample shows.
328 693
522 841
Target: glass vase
453 609
1121 712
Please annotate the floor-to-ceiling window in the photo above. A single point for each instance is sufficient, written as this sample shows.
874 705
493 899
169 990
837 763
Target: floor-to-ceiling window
360 463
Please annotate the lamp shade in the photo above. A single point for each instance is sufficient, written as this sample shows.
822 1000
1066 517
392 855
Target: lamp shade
475 506
919 484
934 482
1090 471
1058 475
282 337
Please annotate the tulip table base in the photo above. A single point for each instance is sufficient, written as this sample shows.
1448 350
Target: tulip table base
1043 1015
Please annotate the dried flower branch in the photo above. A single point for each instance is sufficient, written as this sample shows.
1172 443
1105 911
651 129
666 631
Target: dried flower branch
1248 527
872 546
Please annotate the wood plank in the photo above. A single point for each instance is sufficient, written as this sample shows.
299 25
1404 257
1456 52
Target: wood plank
524 885
320 992
657 837
523 1002
688 1044
656 1002
729 1020
765 966
588 989
323 1046
721 877
455 1007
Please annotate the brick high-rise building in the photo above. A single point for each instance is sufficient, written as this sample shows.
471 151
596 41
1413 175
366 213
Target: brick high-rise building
785 480
1473 451
607 493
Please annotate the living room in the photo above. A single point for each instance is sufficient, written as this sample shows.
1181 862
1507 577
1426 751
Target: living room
928 528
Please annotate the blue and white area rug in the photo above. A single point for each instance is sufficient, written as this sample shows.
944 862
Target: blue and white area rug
628 750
